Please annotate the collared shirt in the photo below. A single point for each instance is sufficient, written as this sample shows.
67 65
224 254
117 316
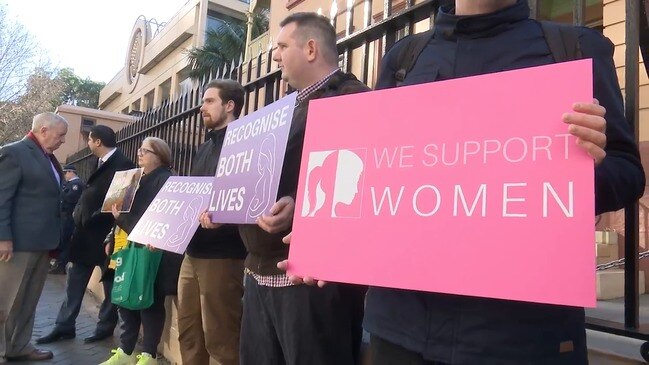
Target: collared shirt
273 281
54 170
47 154
304 93
106 157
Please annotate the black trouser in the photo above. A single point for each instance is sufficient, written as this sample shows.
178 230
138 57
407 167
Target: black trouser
67 228
386 353
300 324
152 320
77 281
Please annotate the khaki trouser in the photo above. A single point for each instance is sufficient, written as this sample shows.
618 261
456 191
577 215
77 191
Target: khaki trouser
210 292
21 284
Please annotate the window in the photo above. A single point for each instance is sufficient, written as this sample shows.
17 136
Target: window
216 20
136 105
165 91
86 124
562 11
148 100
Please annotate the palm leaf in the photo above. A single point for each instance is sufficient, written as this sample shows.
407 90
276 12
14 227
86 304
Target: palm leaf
223 45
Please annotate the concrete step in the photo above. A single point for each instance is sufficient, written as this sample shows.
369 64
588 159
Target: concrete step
610 284
608 349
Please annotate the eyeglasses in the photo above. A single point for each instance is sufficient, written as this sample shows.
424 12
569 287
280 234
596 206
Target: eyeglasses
143 151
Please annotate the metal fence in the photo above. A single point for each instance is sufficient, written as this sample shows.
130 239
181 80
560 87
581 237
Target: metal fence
179 124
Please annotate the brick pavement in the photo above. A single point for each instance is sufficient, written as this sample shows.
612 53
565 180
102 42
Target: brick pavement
75 351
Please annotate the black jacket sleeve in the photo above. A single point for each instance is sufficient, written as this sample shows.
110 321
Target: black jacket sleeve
619 179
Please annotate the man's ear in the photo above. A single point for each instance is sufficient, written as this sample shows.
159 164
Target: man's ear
311 50
229 106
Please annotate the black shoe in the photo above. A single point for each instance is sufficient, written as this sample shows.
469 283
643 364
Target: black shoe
97 337
56 335
57 269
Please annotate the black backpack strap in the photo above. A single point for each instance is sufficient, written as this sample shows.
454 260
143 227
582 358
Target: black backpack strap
563 40
410 52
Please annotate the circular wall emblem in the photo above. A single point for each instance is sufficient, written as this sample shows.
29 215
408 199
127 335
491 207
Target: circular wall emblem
135 53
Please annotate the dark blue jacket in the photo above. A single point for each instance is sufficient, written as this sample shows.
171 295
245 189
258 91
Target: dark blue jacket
467 330
70 194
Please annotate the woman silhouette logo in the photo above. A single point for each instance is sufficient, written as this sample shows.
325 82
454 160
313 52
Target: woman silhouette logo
332 184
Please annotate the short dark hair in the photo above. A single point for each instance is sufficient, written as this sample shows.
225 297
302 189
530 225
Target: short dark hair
229 90
314 25
105 134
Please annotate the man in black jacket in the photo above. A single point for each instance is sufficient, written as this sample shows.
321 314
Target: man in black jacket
87 248
210 286
478 37
285 323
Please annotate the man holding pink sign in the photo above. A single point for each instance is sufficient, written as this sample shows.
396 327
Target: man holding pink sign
451 329
285 323
453 325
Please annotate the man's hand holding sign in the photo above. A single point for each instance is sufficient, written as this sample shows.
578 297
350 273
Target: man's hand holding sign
587 122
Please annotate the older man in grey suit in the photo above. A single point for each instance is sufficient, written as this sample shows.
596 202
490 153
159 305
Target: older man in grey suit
30 187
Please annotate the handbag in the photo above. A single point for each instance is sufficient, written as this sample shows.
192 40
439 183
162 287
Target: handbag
136 268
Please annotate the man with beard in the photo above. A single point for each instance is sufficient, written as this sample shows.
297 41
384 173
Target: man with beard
210 286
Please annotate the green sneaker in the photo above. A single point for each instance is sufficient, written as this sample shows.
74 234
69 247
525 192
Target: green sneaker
119 358
146 359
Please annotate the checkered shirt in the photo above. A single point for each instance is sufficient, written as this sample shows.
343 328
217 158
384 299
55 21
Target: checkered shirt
303 94
273 281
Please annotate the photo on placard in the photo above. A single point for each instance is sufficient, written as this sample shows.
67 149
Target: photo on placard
122 190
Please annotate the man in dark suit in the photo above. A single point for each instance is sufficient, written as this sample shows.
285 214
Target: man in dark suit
87 249
70 194
30 184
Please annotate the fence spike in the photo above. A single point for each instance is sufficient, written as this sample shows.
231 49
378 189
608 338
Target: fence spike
333 11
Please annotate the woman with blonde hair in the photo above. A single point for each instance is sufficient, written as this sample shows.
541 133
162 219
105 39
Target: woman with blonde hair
154 157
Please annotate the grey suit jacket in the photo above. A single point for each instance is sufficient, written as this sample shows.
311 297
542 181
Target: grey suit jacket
30 210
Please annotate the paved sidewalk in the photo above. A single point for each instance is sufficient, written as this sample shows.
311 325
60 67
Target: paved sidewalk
73 351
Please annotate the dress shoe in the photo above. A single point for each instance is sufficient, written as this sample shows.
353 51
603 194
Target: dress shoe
56 335
97 337
36 355
57 270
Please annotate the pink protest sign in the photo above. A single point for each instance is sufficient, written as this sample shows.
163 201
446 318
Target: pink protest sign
172 217
470 186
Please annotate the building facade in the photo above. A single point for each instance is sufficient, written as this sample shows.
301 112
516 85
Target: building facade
80 120
155 65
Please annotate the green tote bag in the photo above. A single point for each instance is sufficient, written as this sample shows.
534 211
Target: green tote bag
136 268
